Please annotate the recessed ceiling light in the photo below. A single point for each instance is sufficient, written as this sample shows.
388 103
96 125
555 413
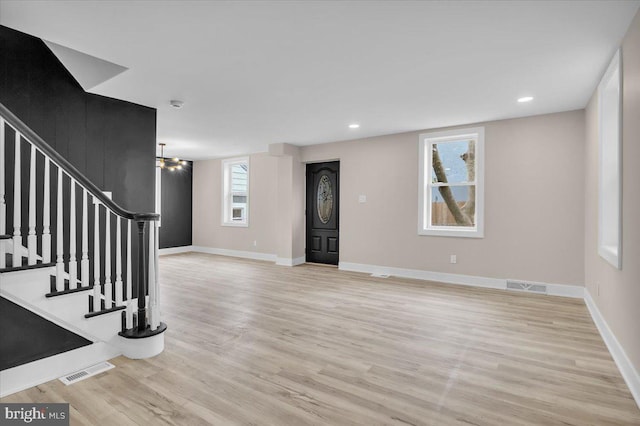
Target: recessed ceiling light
354 126
176 104
525 99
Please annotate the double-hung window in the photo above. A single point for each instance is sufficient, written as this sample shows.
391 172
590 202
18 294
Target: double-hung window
235 192
451 200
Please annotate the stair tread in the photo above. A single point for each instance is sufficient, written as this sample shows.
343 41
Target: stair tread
68 291
27 267
104 311
5 237
67 287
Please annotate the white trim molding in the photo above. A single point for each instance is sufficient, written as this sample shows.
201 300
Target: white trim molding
419 274
427 182
284 261
609 164
563 290
34 373
175 250
236 253
228 193
627 370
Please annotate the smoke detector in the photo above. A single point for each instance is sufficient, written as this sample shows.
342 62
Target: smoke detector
176 104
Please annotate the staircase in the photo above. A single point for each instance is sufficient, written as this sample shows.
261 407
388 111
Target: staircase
81 261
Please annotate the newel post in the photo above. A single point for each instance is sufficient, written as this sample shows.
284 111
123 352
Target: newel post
142 279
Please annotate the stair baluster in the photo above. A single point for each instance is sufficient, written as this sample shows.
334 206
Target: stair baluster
108 286
129 282
142 279
59 236
97 294
32 239
118 283
153 306
46 213
73 263
16 259
84 262
3 205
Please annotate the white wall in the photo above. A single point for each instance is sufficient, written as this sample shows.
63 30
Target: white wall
207 210
617 292
533 202
534 198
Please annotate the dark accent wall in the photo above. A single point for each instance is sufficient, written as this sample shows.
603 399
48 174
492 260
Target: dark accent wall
111 142
176 207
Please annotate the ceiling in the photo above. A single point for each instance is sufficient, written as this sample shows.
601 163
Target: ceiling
255 73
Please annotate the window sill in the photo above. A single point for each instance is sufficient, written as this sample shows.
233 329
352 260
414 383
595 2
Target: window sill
235 224
451 232
610 254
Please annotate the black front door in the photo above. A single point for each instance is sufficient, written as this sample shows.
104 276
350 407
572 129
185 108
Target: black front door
323 199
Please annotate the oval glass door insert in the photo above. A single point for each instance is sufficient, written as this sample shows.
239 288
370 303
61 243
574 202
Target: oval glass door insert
324 199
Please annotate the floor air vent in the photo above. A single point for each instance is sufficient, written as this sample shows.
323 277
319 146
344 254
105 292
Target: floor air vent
523 286
86 373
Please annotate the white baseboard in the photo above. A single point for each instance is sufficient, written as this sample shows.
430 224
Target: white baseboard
563 290
175 250
425 275
235 253
616 350
284 261
34 373
470 280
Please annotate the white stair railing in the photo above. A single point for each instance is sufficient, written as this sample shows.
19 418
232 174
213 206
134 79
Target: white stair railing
128 290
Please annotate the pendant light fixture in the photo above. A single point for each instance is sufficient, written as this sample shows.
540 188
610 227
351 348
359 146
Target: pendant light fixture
171 164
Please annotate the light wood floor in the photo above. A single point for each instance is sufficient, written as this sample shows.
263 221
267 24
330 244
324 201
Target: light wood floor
254 343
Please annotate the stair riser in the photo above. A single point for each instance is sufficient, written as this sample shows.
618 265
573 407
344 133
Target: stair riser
29 285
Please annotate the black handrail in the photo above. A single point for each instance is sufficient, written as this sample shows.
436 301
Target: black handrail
60 161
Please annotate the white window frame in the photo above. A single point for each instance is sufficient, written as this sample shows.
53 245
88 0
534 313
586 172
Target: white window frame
425 185
227 194
610 164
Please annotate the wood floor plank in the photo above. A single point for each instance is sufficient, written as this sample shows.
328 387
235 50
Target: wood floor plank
252 343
